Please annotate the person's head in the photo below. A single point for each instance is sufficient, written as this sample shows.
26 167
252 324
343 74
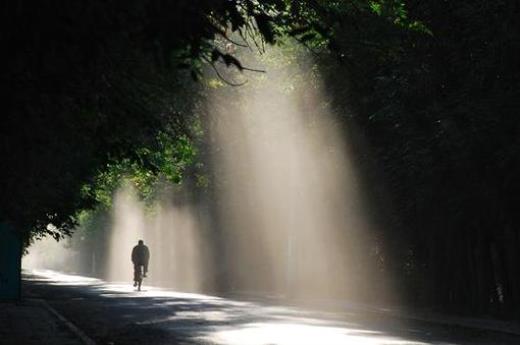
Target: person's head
140 242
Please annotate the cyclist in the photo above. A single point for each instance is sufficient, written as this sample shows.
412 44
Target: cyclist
140 258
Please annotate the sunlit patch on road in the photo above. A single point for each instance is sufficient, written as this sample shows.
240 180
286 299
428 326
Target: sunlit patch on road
215 320
301 334
62 279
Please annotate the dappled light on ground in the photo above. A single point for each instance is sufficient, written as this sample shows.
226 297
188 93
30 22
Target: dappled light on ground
207 319
61 278
302 334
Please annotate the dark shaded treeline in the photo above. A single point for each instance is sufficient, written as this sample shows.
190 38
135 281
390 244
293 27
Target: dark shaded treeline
80 90
88 83
440 114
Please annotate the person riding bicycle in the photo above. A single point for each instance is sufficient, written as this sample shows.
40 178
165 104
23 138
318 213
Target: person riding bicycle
140 258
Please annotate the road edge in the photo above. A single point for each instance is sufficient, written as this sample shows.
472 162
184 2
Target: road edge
71 326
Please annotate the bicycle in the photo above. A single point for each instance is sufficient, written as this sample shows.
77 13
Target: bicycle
138 276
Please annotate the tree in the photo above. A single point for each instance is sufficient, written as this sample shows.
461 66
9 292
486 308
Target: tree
88 83
437 107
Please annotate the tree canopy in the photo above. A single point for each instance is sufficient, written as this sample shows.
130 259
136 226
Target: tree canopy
94 90
88 83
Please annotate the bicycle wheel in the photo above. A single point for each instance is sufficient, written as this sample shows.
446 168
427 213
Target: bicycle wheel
140 277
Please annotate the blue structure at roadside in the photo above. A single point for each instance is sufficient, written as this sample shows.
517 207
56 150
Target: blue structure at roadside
10 263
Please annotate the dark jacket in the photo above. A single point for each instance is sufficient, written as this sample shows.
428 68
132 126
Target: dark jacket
140 255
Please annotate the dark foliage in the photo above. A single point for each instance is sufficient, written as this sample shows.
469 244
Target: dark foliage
432 87
84 83
440 113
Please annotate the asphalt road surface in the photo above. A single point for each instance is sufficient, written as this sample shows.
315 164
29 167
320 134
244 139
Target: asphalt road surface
116 314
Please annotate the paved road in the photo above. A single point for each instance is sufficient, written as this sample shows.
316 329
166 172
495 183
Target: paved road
116 314
45 327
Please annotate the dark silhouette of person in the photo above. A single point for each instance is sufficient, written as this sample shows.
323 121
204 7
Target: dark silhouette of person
140 258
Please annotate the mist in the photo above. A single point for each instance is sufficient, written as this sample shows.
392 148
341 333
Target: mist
170 230
286 214
293 215
47 253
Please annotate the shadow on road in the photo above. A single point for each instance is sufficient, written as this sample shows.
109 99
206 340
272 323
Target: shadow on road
116 314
